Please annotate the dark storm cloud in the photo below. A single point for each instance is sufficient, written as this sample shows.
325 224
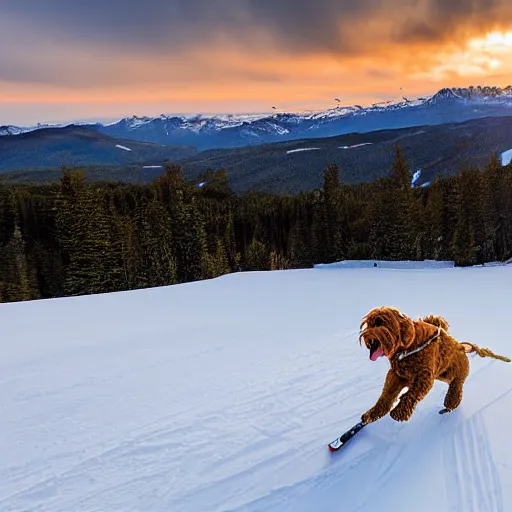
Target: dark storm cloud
304 23
294 23
156 28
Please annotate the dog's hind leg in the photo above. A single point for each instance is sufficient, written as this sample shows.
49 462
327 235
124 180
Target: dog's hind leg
453 396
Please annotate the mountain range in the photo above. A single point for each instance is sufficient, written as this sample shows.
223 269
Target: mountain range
283 167
284 153
448 105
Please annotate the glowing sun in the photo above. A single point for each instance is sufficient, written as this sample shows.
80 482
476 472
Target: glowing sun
493 42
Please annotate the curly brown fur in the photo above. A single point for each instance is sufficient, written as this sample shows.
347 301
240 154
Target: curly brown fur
436 320
387 331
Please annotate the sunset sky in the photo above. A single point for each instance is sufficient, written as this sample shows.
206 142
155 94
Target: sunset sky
63 60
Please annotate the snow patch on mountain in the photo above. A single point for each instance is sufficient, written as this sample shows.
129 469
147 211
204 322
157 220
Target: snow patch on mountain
122 147
301 149
506 157
416 176
356 145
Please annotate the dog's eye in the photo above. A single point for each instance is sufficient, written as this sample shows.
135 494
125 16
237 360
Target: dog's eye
378 322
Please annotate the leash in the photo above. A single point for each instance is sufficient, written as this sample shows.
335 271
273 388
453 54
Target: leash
403 355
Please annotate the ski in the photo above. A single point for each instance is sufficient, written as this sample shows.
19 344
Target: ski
349 434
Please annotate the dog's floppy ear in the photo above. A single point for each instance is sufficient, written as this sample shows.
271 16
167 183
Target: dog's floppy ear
407 331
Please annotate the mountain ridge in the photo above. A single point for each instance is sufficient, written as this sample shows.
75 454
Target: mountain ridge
236 130
297 165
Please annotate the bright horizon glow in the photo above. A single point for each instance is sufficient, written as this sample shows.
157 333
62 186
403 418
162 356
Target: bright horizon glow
494 41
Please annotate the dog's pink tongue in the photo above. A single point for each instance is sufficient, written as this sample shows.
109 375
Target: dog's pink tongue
378 353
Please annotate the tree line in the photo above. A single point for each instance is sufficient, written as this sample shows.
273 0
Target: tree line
77 237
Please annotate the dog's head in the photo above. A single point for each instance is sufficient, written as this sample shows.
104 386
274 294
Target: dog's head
385 331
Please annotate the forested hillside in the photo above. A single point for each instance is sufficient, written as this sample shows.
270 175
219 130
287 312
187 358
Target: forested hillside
76 237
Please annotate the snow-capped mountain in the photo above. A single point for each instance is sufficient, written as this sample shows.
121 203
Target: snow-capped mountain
18 130
11 130
216 131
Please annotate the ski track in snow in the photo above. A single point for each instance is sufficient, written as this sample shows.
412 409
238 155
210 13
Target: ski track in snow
468 452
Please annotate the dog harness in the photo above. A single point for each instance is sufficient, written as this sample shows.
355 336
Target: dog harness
405 354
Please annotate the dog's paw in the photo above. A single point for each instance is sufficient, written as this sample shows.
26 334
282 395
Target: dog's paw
400 413
366 418
369 417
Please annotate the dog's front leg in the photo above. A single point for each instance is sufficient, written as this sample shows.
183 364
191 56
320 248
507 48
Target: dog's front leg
421 385
392 387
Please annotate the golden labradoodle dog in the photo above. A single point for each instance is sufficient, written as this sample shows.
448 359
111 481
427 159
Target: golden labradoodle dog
419 352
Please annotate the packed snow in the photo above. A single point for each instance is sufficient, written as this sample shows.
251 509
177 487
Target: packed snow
506 157
301 149
122 147
222 395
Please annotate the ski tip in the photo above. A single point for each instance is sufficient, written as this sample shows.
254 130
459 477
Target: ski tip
335 445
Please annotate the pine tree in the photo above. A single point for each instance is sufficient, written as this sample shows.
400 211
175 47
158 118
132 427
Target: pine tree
85 234
400 209
332 215
257 256
156 265
434 221
464 246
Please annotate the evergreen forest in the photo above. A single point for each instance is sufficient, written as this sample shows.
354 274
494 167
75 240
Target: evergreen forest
75 237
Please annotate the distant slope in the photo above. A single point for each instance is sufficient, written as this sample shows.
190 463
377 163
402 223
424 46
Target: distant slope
285 167
76 146
298 165
222 395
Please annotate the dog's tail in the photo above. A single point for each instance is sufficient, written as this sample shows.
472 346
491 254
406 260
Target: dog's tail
437 320
483 352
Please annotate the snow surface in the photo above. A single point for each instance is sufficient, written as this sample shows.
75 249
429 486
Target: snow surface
222 395
122 147
152 166
301 149
506 157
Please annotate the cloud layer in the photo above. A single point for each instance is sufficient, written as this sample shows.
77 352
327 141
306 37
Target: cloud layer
200 45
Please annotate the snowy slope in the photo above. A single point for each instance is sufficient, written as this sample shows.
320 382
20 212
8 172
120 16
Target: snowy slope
222 396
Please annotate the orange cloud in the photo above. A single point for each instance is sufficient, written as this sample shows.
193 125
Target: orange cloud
247 61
